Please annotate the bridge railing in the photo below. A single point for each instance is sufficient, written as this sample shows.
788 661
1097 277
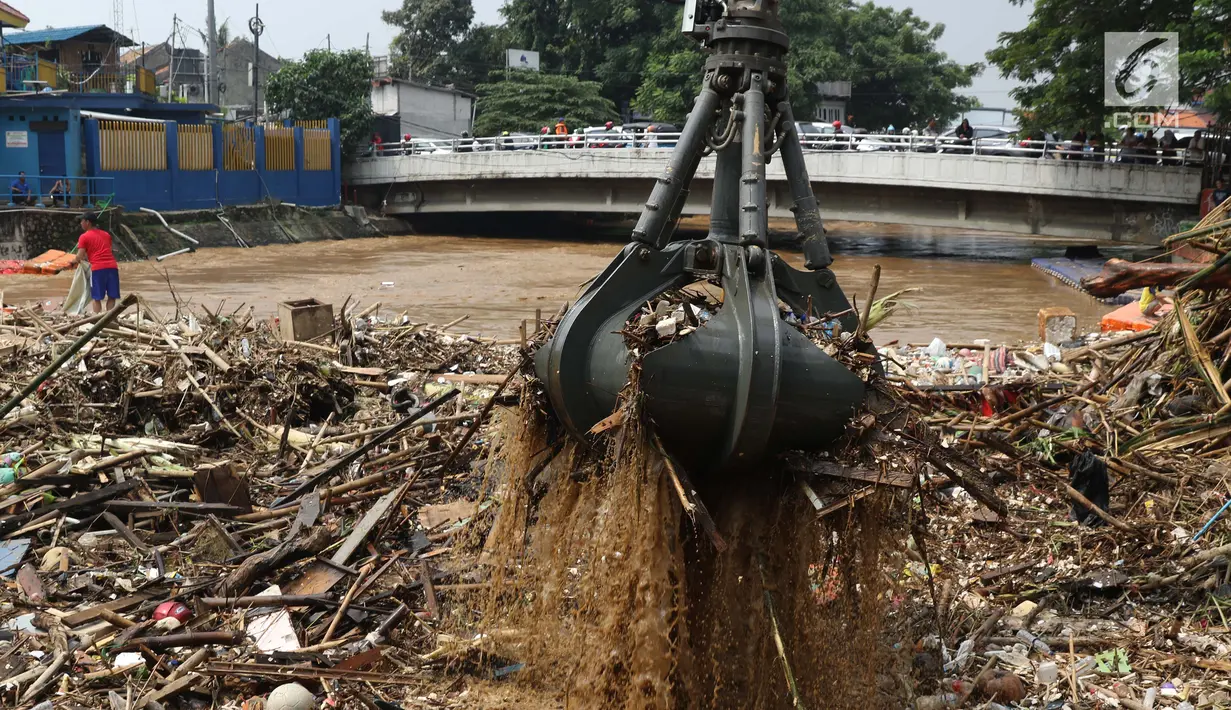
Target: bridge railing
617 140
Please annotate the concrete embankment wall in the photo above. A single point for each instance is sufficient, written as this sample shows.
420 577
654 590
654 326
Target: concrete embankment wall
25 233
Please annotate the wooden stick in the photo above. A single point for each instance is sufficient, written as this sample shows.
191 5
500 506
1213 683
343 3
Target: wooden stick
36 688
315 442
197 658
867 307
350 595
1212 377
1108 517
797 701
1073 668
1088 350
692 504
215 358
452 323
325 494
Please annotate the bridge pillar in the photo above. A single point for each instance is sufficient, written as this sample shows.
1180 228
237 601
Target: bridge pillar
1034 215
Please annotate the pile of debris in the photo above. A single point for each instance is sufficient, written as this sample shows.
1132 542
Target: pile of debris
1098 574
195 511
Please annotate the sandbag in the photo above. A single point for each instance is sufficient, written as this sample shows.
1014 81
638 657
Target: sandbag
78 300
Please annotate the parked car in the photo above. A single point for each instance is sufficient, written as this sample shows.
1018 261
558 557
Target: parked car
1024 145
433 147
602 137
665 135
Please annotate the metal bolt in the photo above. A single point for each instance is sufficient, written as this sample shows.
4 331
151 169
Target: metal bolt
643 254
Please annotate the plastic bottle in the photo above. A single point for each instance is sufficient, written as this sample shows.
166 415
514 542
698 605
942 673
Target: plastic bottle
1033 642
937 702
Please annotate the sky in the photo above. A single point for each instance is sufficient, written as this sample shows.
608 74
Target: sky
296 26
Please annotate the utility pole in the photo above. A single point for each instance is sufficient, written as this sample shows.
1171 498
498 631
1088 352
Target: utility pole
328 43
175 20
211 54
257 28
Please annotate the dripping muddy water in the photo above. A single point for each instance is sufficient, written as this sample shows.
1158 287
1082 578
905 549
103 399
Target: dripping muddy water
973 286
615 600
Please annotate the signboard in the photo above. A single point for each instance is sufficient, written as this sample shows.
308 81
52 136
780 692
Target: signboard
523 59
16 139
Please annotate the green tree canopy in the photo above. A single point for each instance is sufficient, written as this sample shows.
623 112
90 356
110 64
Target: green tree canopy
528 100
327 85
1059 59
480 51
889 56
608 41
429 32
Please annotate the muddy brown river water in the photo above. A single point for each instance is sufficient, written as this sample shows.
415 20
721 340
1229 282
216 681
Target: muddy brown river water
973 286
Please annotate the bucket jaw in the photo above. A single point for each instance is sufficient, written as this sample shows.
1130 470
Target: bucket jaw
746 383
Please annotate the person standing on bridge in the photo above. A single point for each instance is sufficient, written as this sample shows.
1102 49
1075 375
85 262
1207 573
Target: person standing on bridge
1077 146
1169 145
95 245
561 132
1098 153
1149 149
965 133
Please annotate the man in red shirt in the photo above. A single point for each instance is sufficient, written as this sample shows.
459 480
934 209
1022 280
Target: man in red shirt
95 244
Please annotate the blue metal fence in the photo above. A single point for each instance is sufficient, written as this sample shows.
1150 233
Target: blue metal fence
108 155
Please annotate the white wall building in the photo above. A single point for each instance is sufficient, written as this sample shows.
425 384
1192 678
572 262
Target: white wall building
423 111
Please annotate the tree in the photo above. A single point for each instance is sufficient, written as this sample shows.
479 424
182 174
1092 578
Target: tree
608 41
224 34
528 100
429 34
898 76
327 85
1059 59
481 51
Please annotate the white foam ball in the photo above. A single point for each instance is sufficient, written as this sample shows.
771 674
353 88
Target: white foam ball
291 696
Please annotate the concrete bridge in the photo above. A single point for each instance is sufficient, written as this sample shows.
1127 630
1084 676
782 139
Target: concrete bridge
1026 196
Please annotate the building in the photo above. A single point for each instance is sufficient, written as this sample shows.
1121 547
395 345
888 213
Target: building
184 79
86 60
834 97
75 115
422 110
235 77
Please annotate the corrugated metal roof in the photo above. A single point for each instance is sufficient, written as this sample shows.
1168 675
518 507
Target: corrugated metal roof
59 34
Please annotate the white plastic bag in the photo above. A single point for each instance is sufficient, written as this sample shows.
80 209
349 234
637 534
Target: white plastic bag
78 300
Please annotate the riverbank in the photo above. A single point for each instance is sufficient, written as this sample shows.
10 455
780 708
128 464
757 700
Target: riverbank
27 232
